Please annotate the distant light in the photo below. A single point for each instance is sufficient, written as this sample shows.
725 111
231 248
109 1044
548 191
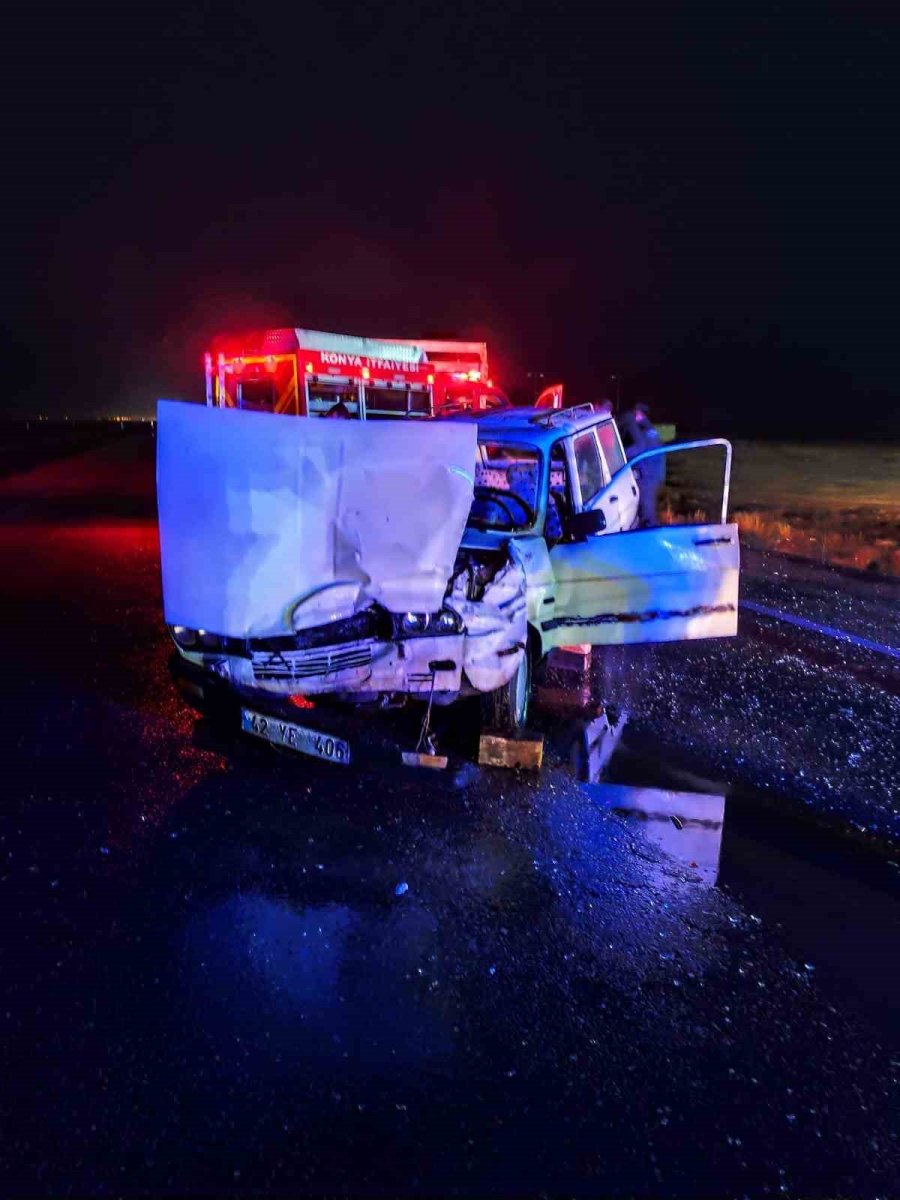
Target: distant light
431 379
309 368
366 373
473 376
490 383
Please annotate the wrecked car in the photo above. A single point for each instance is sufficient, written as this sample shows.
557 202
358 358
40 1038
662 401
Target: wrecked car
374 563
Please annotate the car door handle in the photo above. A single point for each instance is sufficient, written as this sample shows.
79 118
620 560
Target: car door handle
614 499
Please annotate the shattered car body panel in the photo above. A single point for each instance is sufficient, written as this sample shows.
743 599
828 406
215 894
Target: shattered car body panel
481 657
496 624
322 556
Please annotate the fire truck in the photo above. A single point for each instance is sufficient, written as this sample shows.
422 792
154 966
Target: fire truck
306 372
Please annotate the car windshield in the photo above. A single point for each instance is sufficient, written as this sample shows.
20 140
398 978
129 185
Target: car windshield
506 486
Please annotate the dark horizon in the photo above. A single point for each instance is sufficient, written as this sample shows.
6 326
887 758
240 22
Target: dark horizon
702 201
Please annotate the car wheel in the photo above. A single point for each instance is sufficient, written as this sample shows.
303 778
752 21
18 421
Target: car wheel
506 709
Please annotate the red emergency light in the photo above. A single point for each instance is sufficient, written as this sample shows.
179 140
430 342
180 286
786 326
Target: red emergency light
301 702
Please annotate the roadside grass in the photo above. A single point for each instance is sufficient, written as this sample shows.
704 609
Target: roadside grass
835 503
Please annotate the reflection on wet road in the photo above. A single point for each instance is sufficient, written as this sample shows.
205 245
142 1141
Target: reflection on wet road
686 826
227 971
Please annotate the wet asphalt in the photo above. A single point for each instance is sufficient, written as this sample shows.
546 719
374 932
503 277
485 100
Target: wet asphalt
227 971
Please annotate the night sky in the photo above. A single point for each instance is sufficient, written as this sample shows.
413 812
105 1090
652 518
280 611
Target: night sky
703 198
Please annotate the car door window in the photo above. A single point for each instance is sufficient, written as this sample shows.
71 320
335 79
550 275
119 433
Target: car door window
588 465
612 447
559 496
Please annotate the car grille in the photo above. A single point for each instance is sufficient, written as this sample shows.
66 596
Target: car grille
304 664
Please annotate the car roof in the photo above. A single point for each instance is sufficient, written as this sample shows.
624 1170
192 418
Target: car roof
538 426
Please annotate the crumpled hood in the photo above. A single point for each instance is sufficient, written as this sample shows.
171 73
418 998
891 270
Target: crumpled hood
274 523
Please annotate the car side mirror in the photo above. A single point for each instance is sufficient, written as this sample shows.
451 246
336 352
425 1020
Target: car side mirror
583 524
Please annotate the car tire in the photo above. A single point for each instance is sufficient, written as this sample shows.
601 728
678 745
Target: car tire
506 709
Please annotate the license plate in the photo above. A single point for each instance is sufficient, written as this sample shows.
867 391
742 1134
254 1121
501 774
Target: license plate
295 737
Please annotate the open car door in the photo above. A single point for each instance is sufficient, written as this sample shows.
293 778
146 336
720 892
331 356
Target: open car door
550 397
662 584
671 583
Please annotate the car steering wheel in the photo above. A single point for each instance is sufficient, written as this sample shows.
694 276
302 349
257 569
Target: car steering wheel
500 496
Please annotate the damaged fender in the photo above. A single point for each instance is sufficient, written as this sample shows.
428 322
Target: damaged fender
496 627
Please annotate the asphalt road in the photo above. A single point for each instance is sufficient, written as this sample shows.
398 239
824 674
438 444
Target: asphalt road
228 971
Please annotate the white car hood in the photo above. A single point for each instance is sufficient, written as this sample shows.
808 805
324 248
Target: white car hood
274 523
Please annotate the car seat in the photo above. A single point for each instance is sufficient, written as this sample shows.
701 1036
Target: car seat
557 506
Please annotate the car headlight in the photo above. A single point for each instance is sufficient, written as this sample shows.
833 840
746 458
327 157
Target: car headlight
433 624
414 622
446 621
211 643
